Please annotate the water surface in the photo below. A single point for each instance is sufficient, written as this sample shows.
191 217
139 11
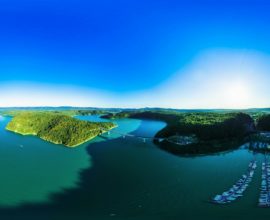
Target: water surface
115 177
32 169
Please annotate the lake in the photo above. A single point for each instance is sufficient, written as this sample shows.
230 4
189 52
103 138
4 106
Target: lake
112 177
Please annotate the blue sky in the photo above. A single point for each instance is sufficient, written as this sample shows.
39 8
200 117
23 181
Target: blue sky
120 53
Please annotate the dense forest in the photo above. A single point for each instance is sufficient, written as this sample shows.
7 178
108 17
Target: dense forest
211 126
69 112
206 125
57 128
215 131
263 122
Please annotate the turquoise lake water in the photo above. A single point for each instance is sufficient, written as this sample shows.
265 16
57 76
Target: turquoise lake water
112 177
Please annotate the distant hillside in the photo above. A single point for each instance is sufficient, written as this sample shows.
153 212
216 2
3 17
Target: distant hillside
57 128
115 110
68 112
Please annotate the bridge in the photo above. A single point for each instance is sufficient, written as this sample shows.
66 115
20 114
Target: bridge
124 135
144 138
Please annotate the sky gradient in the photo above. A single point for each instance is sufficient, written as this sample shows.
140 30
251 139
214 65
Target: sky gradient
178 54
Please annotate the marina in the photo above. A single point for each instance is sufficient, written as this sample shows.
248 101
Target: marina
264 199
238 188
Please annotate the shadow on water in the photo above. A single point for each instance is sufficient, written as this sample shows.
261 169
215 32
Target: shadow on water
135 180
101 192
85 200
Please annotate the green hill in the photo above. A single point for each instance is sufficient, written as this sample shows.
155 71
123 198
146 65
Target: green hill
213 132
263 122
206 125
57 128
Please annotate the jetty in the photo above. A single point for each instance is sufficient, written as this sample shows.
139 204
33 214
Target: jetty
264 199
238 188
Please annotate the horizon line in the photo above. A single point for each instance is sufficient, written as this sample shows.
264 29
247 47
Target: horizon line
171 108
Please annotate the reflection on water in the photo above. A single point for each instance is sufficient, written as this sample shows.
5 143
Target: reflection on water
128 178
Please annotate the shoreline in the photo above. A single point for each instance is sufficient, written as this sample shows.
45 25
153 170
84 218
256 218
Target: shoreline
69 146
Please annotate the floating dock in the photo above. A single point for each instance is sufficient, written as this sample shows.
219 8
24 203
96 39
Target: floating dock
238 188
264 199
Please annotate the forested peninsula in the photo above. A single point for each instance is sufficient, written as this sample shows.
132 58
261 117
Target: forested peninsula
57 128
197 132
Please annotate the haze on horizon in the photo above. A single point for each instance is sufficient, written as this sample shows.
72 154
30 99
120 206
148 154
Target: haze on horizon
172 54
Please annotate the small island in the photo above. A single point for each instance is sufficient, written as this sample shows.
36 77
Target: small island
57 128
